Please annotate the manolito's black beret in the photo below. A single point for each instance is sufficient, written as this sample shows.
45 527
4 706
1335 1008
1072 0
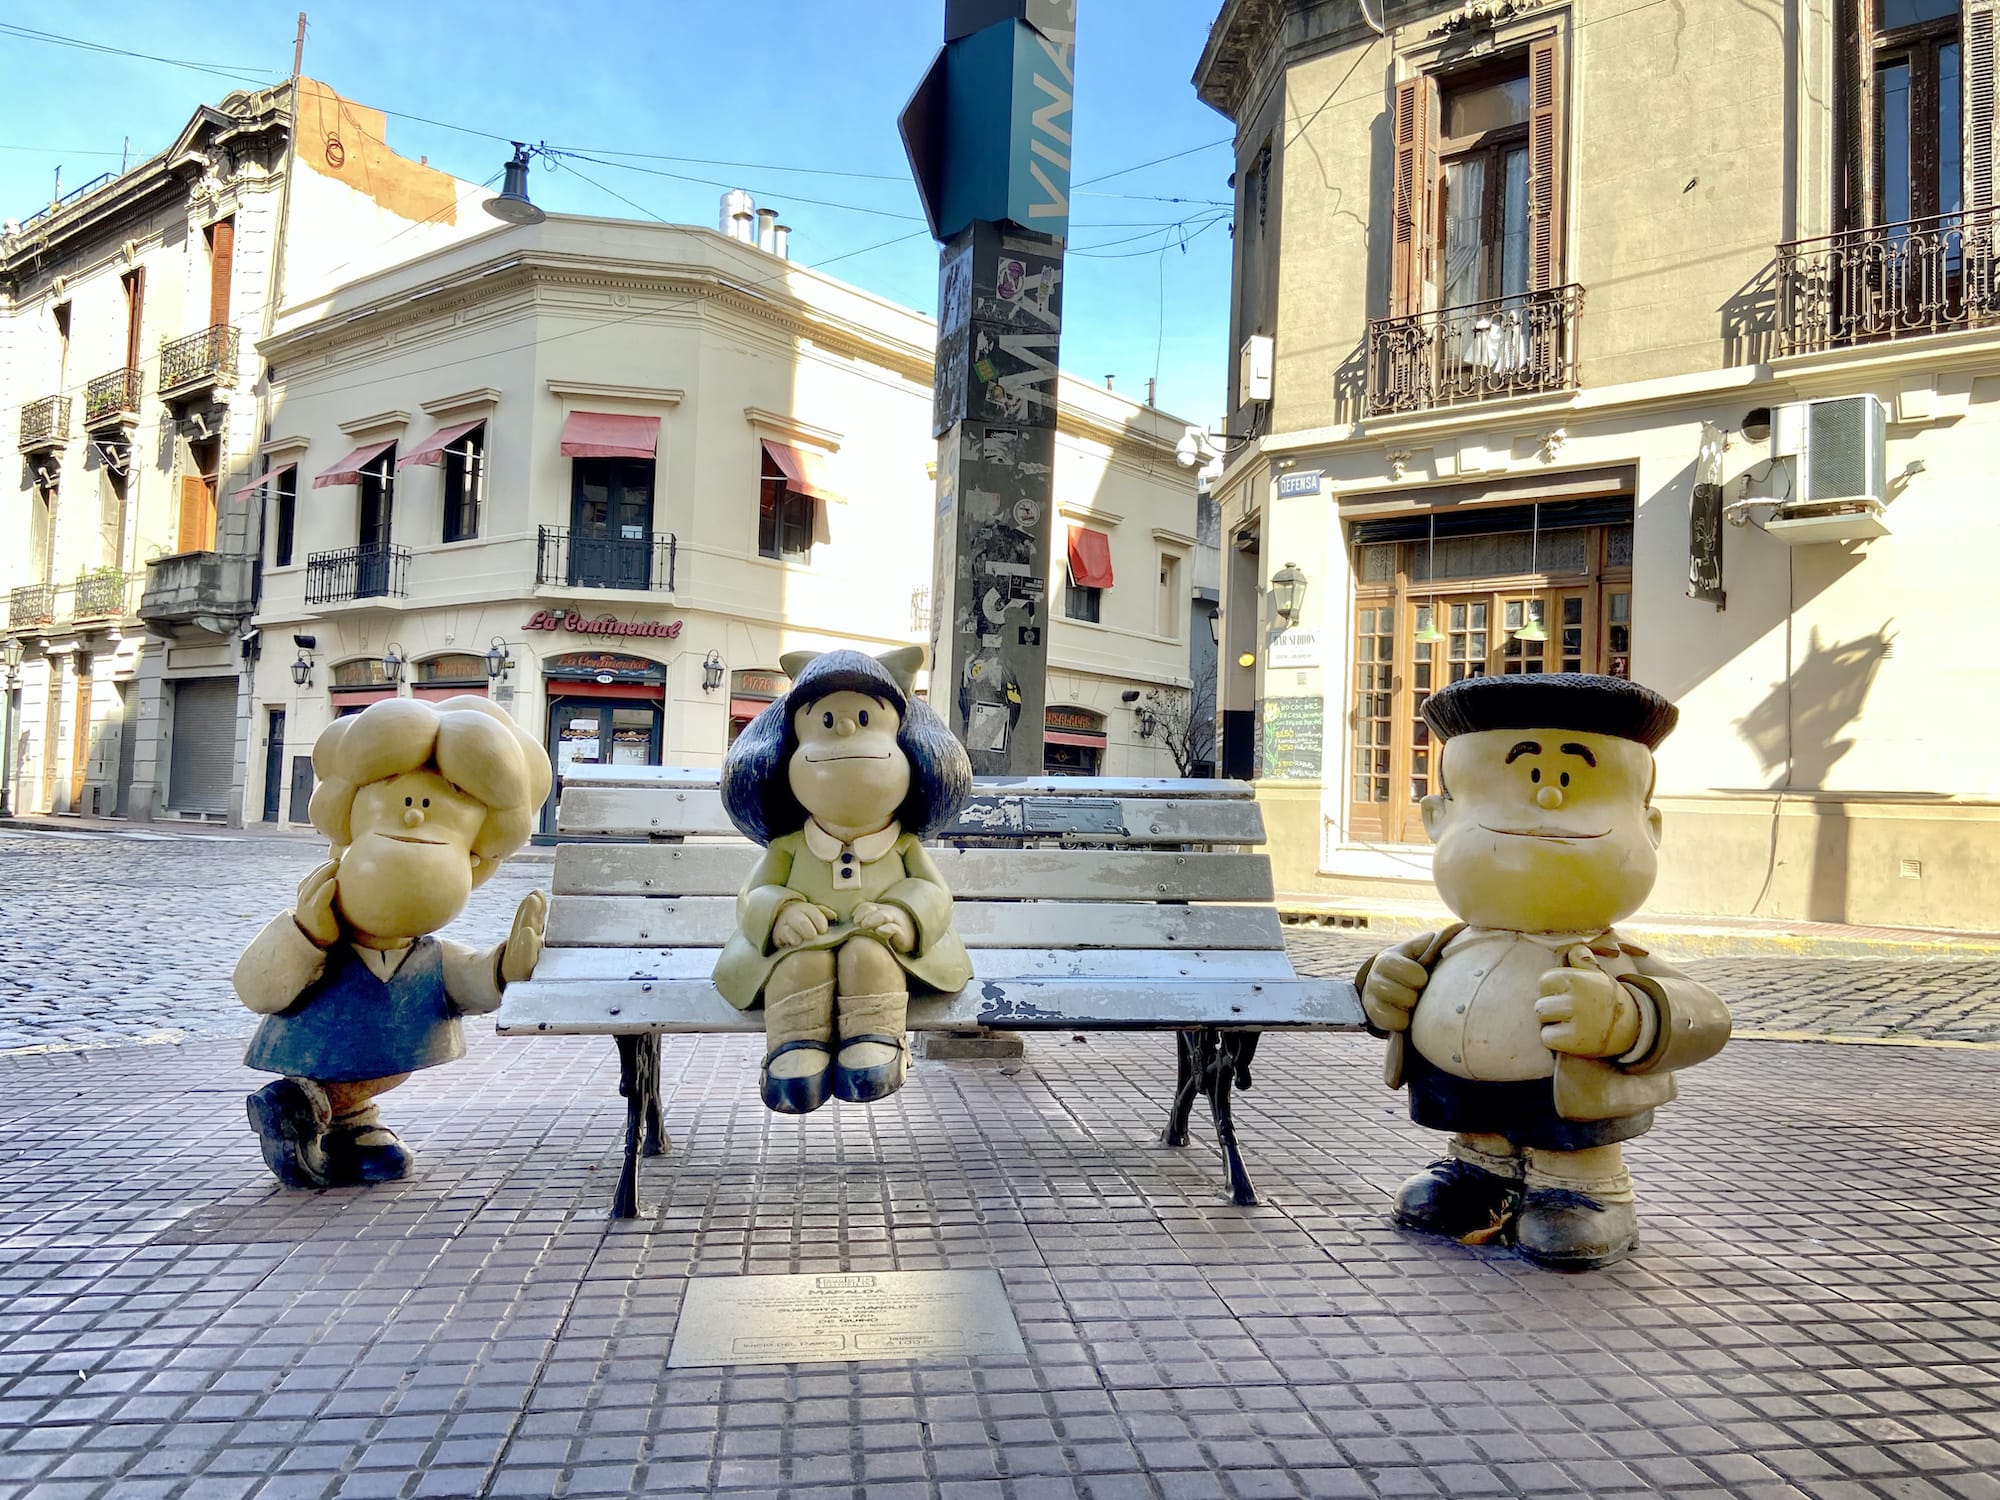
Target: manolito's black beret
1552 700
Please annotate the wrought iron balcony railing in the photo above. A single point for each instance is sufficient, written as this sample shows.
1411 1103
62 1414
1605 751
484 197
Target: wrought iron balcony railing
111 397
1508 346
1890 281
357 573
101 594
201 359
34 604
44 424
643 563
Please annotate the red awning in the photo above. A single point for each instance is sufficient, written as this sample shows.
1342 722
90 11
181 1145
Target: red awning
1089 558
1073 737
257 484
603 434
431 449
348 470
747 708
805 473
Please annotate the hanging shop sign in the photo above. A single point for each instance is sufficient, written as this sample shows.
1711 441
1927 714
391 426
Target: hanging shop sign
603 666
575 623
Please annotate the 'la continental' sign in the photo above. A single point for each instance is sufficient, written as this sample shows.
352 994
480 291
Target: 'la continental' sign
573 622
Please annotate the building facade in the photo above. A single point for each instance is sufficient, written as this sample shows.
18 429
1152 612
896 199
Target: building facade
132 314
612 472
1657 341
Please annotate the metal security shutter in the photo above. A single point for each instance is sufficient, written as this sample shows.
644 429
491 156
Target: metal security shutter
204 745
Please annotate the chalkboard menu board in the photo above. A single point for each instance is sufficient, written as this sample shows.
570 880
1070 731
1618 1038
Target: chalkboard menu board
1291 738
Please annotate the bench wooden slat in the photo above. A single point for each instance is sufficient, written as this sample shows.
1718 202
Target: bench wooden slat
708 921
708 778
638 812
598 1007
1107 965
981 874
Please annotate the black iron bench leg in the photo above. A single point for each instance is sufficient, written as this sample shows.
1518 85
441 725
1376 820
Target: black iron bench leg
639 1083
1186 1045
657 1141
1227 1060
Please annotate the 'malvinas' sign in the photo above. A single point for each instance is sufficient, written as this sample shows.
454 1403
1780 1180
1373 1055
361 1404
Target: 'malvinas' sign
574 622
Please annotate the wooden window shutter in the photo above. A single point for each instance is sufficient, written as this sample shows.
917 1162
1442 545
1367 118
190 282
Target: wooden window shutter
1853 133
1982 40
221 254
197 528
1416 170
1546 89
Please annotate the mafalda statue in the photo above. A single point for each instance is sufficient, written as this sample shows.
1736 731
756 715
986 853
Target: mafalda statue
420 802
1530 1030
840 778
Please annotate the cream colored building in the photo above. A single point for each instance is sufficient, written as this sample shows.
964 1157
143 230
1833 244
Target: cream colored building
630 466
1513 262
131 319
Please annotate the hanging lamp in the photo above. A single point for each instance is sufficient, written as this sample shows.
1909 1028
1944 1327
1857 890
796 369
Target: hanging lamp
1532 628
1428 633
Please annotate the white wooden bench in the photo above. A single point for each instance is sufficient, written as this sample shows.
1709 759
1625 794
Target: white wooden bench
1087 904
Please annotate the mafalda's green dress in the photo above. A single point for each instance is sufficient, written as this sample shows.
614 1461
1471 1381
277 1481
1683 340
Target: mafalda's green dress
889 867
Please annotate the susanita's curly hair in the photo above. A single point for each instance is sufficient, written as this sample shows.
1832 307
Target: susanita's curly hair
756 786
469 741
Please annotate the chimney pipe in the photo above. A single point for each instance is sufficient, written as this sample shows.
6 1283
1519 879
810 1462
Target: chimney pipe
739 228
1111 382
734 202
1152 389
781 238
767 221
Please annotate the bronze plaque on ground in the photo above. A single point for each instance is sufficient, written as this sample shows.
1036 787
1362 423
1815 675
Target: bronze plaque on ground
816 1319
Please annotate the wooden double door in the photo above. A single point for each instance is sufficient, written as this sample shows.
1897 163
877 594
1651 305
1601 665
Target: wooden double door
1408 645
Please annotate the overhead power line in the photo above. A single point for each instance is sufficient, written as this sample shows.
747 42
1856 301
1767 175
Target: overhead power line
262 77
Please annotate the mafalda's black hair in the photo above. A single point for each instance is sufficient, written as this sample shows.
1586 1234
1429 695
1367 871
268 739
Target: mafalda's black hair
1577 701
757 786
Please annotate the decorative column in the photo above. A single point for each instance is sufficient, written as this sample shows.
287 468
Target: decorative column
988 137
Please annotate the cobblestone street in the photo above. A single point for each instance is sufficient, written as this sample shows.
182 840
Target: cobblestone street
1811 1312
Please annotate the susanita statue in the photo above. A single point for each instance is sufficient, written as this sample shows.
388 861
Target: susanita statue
420 802
845 911
1530 1030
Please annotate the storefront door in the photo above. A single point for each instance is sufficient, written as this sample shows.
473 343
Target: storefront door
598 731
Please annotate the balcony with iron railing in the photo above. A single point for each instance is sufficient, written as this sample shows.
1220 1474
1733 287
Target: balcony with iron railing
200 362
1889 281
31 605
99 594
44 424
641 564
112 399
348 573
1482 351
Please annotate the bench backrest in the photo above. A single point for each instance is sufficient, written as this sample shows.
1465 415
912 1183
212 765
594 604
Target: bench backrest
1046 872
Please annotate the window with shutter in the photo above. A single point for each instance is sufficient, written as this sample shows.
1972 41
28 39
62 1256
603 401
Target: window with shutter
1545 163
1982 55
1416 111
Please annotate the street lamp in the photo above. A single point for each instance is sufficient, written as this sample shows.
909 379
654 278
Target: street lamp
512 206
1288 593
302 670
498 661
392 663
10 656
711 672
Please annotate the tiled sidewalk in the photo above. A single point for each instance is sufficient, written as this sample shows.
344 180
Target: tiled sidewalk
1816 1309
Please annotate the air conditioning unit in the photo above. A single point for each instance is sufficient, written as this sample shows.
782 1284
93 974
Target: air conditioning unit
1253 369
1842 482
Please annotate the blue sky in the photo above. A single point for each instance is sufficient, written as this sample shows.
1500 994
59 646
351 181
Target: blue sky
774 85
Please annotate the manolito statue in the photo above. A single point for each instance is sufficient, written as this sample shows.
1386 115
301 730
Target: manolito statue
420 803
1530 1030
839 779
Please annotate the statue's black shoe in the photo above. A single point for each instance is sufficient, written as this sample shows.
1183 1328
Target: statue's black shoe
797 1093
1565 1230
290 1124
1456 1199
369 1153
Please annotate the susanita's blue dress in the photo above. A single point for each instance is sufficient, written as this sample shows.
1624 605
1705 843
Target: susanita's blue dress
348 1025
